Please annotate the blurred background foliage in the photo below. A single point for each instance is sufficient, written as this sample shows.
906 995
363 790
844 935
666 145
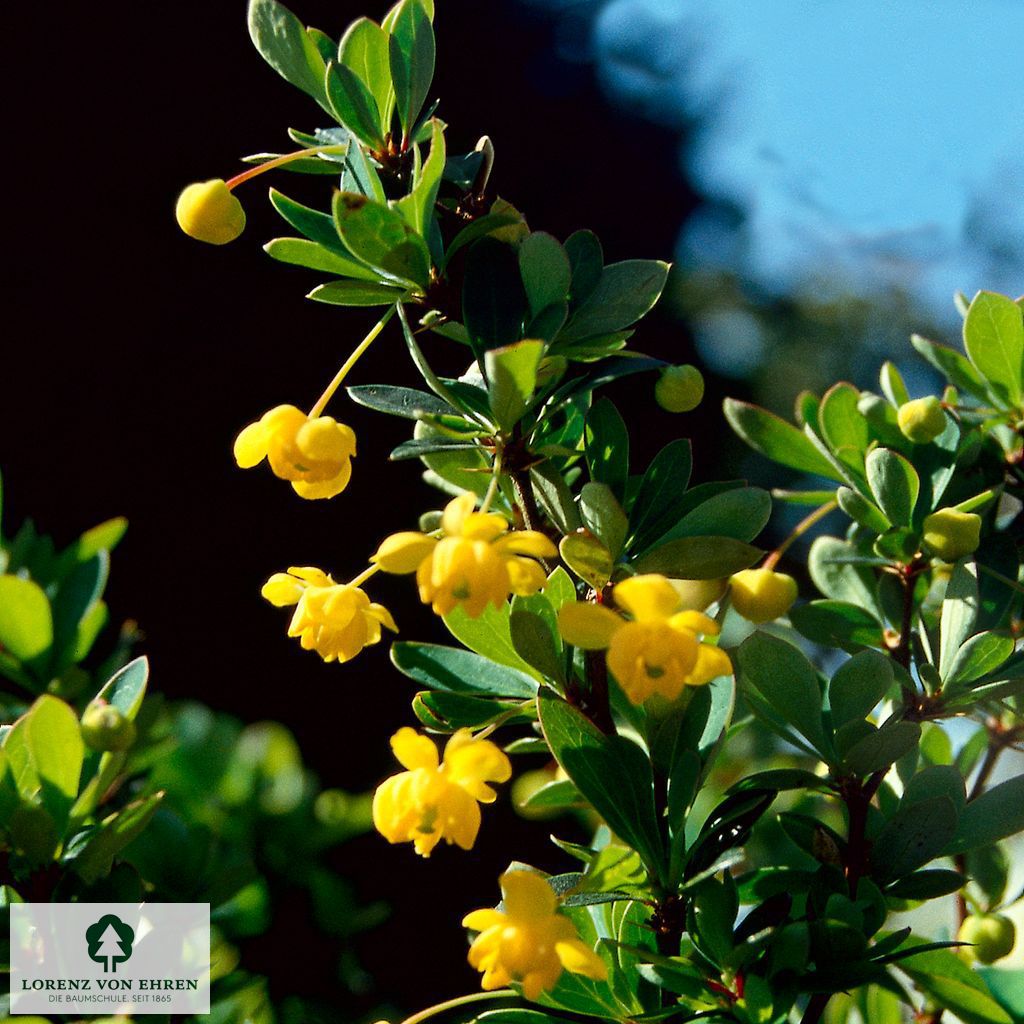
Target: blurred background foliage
136 409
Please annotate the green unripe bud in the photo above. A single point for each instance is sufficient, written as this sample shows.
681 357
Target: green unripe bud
950 534
922 420
679 388
762 595
210 212
992 936
105 727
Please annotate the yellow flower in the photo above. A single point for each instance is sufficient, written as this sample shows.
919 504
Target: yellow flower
314 454
337 620
438 800
476 562
659 651
528 941
210 212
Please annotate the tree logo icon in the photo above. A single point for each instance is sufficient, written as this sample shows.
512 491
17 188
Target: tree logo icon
110 942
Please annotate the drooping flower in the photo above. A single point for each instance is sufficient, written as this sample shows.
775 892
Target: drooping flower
337 620
438 799
314 453
476 562
658 650
210 212
528 941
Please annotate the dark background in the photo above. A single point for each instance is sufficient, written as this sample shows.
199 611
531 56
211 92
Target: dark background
133 355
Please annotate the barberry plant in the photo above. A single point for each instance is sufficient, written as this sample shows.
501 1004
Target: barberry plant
771 802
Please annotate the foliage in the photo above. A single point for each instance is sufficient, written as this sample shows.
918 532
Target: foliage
769 799
187 805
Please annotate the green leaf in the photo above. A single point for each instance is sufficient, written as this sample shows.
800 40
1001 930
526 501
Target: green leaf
783 677
836 576
946 979
364 48
512 379
301 252
837 624
862 511
353 104
603 515
586 259
545 270
536 639
698 558
420 446
859 686
624 293
778 440
397 401
927 885
843 426
284 44
997 814
488 634
480 228
104 537
26 621
658 505
418 206
127 687
412 54
587 557
980 656
357 293
915 835
76 597
612 772
44 751
994 339
949 362
893 387
607 447
959 613
458 671
882 747
92 857
320 228
381 238
446 712
493 300
894 484
739 512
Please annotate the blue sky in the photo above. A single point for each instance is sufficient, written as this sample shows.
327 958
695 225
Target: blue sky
869 142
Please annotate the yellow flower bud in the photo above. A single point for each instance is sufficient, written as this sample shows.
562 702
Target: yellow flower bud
105 727
210 212
950 534
922 420
679 388
992 936
762 595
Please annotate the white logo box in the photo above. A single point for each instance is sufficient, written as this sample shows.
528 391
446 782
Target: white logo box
109 958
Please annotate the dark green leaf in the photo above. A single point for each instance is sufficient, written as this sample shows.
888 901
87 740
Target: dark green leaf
894 484
624 293
837 624
545 270
412 55
284 44
699 558
918 833
612 772
397 401
659 501
459 671
997 814
494 303
607 447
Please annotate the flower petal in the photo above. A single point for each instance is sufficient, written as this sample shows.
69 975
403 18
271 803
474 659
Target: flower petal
528 542
590 626
527 895
413 750
403 552
712 662
455 513
647 598
313 489
251 445
282 590
581 959
696 622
